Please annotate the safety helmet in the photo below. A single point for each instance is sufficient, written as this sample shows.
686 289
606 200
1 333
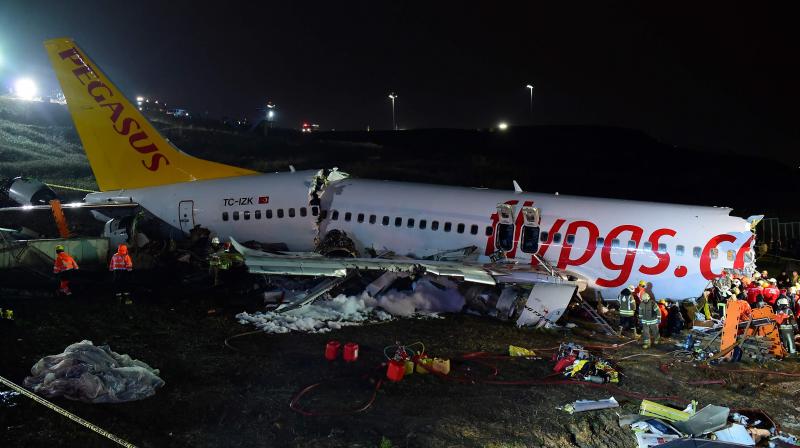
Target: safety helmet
59 248
773 281
662 301
783 301
756 275
215 240
642 283
737 282
631 288
792 290
645 296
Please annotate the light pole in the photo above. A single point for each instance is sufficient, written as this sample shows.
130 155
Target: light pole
530 86
393 96
270 112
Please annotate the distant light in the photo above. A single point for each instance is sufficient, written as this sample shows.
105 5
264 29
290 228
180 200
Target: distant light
502 126
270 114
139 99
392 95
25 88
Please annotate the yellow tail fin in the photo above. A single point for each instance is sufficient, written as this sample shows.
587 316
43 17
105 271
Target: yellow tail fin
124 149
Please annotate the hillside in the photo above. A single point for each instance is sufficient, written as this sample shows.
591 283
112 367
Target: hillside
38 140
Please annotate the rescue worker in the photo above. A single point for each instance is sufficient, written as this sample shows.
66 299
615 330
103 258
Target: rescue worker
702 304
641 289
662 324
753 291
787 324
795 279
627 310
688 309
675 321
64 267
649 316
771 292
121 267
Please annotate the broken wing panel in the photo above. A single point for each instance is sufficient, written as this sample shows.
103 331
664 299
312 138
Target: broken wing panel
259 262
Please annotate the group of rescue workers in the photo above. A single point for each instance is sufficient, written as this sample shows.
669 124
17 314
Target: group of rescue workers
638 307
120 266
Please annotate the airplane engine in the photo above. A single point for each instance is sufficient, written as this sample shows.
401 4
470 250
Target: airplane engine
336 243
25 191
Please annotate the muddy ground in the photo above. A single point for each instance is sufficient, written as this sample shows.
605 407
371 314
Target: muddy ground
215 396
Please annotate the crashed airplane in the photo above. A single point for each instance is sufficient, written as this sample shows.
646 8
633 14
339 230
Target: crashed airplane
508 244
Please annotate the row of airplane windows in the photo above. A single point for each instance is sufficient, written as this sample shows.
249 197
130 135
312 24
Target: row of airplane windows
422 224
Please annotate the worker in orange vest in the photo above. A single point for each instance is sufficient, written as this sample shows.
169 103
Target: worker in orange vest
64 266
662 308
121 267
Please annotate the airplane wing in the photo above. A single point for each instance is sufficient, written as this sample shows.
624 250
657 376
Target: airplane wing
313 264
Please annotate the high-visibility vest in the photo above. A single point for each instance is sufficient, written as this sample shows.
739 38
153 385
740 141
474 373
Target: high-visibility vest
64 262
627 305
120 262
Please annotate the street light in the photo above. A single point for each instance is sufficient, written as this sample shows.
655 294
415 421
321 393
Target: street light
393 97
530 86
502 126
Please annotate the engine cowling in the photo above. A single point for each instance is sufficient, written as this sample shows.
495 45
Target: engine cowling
26 191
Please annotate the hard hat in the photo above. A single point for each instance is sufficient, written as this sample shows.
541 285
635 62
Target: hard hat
737 282
59 248
645 296
792 290
631 288
642 283
783 301
772 280
662 301
215 240
756 275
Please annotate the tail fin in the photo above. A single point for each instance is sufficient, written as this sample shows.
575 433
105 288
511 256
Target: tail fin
124 149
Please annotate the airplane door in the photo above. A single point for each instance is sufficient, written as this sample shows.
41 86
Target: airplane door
186 215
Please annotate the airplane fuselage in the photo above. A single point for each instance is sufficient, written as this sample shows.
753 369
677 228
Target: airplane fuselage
609 243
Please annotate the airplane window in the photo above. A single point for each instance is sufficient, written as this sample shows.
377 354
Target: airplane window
235 216
247 215
714 253
557 238
224 216
385 221
314 211
489 231
258 214
269 213
372 219
632 244
410 222
615 243
662 247
398 221
570 239
323 214
600 242
335 215
647 245
679 250
291 212
434 225
360 217
280 213
460 228
696 252
473 229
448 226
730 255
303 211
348 216
530 239
423 224
543 236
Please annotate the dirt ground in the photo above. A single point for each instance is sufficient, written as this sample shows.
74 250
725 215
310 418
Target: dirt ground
215 396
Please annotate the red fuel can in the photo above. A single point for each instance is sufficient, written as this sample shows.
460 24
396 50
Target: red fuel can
350 351
332 350
395 370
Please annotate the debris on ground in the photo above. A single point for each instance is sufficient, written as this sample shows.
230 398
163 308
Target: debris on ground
589 405
661 425
577 363
93 374
424 299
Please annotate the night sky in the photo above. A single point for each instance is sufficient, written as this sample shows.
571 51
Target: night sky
721 76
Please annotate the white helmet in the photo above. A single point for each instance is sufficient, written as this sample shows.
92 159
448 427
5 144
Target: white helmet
782 301
737 282
215 240
631 288
772 280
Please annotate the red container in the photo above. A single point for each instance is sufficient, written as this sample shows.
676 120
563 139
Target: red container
395 370
563 363
350 351
332 350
